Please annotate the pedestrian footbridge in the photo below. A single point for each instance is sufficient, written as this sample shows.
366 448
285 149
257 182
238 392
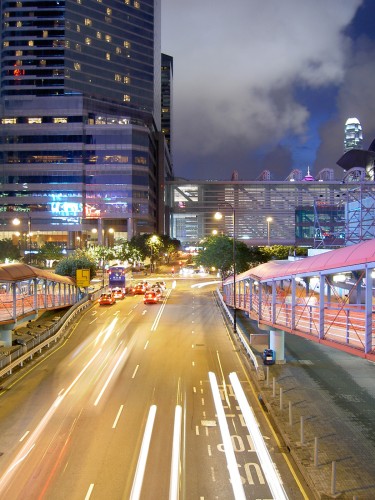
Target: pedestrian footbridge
327 298
25 291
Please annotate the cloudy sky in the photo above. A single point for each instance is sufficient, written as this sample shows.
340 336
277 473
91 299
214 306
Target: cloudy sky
268 84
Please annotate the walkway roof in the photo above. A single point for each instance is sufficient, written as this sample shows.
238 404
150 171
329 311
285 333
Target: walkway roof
347 257
21 272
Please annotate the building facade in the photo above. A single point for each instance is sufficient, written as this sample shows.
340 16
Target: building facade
314 213
82 156
353 135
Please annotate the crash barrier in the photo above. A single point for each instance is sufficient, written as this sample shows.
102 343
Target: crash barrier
53 333
241 337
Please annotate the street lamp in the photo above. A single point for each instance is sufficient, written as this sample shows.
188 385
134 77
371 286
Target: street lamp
219 215
152 241
16 221
269 220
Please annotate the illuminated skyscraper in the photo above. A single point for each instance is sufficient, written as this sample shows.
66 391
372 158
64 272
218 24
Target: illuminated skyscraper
81 148
353 135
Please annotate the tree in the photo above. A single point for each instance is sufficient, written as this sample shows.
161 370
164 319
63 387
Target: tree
218 253
9 251
79 259
49 252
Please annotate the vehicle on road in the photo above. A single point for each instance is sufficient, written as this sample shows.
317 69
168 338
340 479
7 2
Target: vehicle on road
118 293
150 298
139 289
118 277
107 299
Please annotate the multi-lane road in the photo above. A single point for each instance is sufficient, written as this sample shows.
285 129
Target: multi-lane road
142 401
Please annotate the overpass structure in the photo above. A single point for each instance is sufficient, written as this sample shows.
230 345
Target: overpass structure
26 290
327 298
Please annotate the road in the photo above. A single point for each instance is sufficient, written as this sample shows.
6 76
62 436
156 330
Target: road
126 408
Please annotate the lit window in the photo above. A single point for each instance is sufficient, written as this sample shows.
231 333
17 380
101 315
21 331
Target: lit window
118 50
34 120
126 98
60 120
108 56
77 66
6 14
19 4
137 5
18 63
108 38
98 35
127 79
19 52
9 121
18 24
45 34
109 11
79 1
88 41
127 44
88 22
67 44
42 62
78 47
100 1
30 43
6 44
117 77
127 2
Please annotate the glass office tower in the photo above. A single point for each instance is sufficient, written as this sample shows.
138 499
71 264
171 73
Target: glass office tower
81 152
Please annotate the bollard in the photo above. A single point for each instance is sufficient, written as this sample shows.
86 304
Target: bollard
281 398
333 479
302 438
316 452
273 387
290 414
268 376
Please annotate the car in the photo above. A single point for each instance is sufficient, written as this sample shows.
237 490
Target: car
118 293
139 289
150 298
106 299
157 290
161 284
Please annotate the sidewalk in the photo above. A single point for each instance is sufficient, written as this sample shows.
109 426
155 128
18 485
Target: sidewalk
323 403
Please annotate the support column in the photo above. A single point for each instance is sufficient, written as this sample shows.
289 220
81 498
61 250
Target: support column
277 344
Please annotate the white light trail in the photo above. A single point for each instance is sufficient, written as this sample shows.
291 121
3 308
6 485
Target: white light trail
260 447
235 477
110 377
141 465
160 312
175 462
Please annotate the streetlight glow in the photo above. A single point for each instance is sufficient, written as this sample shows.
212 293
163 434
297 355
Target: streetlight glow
269 220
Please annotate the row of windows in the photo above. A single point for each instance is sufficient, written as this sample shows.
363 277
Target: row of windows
91 120
70 178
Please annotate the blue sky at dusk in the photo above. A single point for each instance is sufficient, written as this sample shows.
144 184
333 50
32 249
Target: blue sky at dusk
268 84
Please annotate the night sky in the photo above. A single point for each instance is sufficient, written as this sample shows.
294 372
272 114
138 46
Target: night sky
268 84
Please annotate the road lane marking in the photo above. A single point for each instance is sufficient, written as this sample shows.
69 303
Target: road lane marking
117 417
197 430
135 371
209 450
93 321
23 437
89 491
145 347
141 465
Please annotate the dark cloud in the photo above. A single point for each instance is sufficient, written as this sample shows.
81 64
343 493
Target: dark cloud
247 82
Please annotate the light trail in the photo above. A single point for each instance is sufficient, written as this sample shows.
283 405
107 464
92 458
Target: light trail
235 478
175 462
260 447
110 377
141 465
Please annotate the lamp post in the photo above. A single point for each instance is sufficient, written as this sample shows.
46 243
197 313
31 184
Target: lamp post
218 215
152 241
269 220
17 222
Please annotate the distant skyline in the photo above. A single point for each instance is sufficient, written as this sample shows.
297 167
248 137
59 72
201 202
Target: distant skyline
268 84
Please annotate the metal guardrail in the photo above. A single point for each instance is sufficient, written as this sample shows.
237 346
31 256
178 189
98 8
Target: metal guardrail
17 357
241 336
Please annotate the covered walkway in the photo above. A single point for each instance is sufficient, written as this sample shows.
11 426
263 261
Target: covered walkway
26 290
328 298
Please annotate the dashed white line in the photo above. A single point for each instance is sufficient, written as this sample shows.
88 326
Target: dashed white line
135 371
117 417
89 491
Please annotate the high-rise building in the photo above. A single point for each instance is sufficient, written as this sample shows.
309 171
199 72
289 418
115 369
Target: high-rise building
81 150
167 98
353 135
